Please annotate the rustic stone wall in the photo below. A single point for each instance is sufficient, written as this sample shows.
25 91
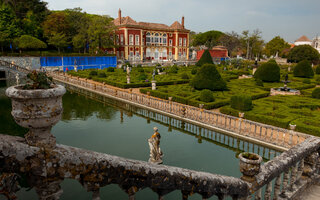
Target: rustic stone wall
26 62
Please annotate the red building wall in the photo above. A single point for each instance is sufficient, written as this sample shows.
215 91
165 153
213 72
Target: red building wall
215 53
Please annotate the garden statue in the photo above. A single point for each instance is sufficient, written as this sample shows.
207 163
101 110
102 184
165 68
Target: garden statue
154 144
128 70
17 79
153 74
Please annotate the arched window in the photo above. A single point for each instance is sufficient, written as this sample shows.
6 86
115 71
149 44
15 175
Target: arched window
164 40
148 38
156 38
156 54
148 52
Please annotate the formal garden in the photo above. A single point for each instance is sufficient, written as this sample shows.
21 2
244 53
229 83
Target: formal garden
230 88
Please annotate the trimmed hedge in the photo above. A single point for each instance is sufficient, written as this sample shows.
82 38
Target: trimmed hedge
303 69
205 58
316 93
317 70
206 96
241 102
268 72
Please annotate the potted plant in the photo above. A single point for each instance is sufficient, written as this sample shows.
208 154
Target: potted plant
292 126
249 165
37 106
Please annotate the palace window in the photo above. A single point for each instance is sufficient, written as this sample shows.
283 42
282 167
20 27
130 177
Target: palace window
137 54
170 42
117 40
137 40
164 39
131 54
122 54
148 38
180 41
148 52
156 38
170 54
184 41
121 39
164 53
130 39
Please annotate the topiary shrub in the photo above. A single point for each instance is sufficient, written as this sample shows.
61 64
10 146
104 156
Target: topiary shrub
208 77
316 93
205 58
318 80
259 82
110 69
102 75
174 69
184 76
206 96
140 69
93 73
142 77
306 81
194 71
303 52
268 72
303 69
241 102
317 70
139 66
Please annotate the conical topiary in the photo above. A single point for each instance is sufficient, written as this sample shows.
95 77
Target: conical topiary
205 58
208 77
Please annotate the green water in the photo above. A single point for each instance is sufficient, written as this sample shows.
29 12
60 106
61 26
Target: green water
117 130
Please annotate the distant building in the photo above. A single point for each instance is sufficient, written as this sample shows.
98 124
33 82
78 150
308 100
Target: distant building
303 40
316 43
150 41
218 53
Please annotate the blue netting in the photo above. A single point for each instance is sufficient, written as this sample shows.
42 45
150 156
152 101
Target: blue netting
100 62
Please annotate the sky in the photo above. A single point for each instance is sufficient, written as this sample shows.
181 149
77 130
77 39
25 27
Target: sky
290 19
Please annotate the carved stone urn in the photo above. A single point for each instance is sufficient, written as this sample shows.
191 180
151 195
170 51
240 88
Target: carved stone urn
249 165
38 110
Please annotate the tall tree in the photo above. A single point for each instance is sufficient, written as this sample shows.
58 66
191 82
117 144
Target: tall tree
209 38
59 40
252 43
276 46
231 41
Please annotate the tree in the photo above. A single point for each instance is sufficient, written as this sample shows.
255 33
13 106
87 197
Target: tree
205 58
209 38
55 23
276 46
231 41
29 42
59 40
303 69
268 72
208 77
100 32
303 52
252 43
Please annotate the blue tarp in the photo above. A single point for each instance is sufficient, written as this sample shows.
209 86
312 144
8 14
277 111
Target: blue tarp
81 63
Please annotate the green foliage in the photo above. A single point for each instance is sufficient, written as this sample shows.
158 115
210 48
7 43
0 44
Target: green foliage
139 66
241 102
208 77
303 69
59 40
316 93
29 42
142 77
184 76
318 80
194 70
276 45
303 52
209 38
102 75
206 96
140 69
317 70
306 81
40 80
93 73
174 69
110 69
205 58
268 72
258 82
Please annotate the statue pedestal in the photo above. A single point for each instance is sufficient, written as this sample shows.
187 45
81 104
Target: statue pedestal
154 85
254 70
128 79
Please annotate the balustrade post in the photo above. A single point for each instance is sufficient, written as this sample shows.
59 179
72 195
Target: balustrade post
310 164
277 186
201 111
293 177
285 183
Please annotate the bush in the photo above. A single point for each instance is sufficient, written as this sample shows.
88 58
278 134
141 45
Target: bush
142 77
306 81
268 72
194 70
102 75
316 93
184 76
303 69
205 58
93 73
317 70
139 66
318 80
110 69
208 77
174 69
140 69
206 96
241 102
259 82
303 52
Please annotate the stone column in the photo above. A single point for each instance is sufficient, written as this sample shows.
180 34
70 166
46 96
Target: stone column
126 48
176 53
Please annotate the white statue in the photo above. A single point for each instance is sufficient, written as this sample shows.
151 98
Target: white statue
17 79
128 70
154 144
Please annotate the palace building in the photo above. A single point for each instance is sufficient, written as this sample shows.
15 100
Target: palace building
144 41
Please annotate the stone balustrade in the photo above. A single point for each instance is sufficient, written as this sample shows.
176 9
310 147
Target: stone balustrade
269 134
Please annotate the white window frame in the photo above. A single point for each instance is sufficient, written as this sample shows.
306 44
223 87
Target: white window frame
121 39
180 42
185 42
137 40
148 37
164 39
130 39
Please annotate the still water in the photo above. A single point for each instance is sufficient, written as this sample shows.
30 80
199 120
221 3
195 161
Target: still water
122 130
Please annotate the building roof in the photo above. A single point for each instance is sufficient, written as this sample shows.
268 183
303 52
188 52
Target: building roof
128 21
303 39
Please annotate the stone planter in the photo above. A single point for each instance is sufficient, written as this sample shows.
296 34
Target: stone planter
38 110
292 126
249 165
